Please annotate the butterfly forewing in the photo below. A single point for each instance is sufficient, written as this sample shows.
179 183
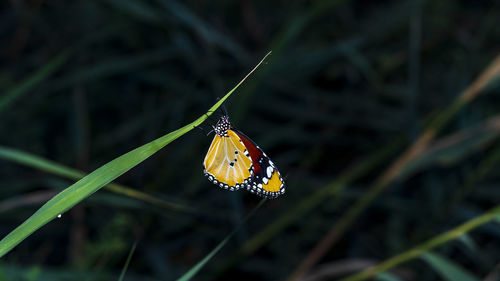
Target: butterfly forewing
227 162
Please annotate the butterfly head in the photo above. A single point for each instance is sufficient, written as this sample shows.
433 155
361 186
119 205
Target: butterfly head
222 126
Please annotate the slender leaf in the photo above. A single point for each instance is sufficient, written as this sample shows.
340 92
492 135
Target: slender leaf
386 276
36 162
423 248
99 178
448 269
11 95
192 272
137 9
127 262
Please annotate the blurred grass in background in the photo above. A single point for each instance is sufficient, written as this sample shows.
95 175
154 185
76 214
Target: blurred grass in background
350 89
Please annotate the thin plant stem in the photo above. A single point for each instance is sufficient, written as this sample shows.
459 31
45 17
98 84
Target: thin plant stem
418 250
127 262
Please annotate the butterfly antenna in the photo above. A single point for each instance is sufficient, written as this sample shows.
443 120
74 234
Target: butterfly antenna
213 129
224 109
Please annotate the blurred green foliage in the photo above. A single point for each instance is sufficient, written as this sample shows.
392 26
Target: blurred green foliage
350 85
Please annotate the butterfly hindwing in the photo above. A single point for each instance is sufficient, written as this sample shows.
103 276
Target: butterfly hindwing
266 181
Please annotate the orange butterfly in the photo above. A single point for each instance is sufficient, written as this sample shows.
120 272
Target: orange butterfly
233 161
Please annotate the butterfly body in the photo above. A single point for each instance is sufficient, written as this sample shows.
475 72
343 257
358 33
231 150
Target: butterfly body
234 161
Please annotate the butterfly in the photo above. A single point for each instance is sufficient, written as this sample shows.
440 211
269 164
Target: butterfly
233 161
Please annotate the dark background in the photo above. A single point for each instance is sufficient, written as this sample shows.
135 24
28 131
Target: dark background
346 80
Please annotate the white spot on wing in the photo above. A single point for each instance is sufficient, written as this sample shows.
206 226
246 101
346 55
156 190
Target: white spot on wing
269 171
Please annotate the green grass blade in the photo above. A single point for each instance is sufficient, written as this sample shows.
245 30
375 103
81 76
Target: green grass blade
184 15
385 276
448 269
127 262
112 67
99 178
88 185
17 91
423 248
137 9
36 162
192 272
30 160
